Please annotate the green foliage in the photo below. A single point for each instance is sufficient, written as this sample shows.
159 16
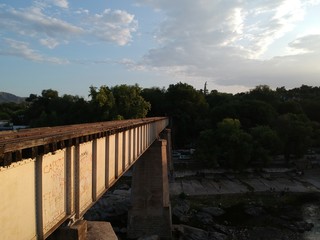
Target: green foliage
295 131
207 150
266 144
13 112
129 102
188 108
272 122
157 99
51 110
227 146
234 144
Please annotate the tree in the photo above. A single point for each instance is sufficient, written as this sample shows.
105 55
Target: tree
102 102
157 99
265 94
255 112
207 150
49 94
235 145
129 103
266 145
295 132
227 145
188 109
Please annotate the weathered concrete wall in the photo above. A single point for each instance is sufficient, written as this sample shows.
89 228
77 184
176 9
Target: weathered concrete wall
150 212
17 208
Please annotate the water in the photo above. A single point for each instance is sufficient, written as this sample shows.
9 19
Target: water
311 214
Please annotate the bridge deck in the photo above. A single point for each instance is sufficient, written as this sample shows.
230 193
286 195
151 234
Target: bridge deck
26 143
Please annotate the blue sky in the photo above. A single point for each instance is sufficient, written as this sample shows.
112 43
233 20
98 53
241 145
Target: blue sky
232 45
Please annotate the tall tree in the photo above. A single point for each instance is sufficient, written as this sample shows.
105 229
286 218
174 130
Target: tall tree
295 132
235 145
129 103
188 109
102 102
157 99
266 145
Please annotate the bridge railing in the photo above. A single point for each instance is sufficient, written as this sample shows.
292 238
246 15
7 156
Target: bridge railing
49 175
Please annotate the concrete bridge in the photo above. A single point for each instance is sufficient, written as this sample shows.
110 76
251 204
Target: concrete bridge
49 177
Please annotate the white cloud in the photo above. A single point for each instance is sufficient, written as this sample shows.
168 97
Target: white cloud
110 26
309 43
61 3
38 23
22 49
33 22
113 26
49 42
222 42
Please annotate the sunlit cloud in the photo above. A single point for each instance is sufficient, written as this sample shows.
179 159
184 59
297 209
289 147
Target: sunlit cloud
223 42
113 26
22 49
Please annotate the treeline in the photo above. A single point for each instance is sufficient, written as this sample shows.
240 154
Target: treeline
226 130
241 130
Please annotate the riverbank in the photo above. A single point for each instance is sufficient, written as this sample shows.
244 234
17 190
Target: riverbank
202 183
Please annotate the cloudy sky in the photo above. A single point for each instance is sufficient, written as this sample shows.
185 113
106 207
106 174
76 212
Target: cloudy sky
233 45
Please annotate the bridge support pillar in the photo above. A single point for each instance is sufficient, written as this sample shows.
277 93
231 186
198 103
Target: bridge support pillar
150 213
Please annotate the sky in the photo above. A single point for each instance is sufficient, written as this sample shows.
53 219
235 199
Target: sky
233 45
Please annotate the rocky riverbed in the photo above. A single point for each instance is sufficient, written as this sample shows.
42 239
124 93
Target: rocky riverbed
278 212
245 217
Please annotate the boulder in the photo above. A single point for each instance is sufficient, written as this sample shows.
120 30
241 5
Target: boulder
204 218
152 237
190 233
254 211
217 236
214 211
181 209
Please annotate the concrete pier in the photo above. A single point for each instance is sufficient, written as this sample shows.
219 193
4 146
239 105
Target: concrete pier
150 213
77 231
100 231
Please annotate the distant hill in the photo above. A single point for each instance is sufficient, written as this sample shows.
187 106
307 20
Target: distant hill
8 97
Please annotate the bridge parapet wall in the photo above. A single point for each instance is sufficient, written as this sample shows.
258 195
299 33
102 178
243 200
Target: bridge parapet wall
51 175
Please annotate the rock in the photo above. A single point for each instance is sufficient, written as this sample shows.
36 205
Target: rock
272 233
217 236
121 208
220 228
181 209
184 219
301 226
214 211
121 192
124 186
254 211
204 218
152 237
191 233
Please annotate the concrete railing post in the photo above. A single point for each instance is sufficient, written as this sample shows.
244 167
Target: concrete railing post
150 213
166 134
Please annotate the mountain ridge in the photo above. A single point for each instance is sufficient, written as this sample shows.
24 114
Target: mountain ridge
6 97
